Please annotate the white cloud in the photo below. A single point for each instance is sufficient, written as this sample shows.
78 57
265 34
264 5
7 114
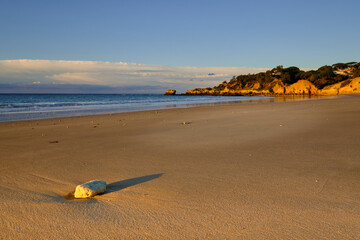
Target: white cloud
115 74
76 77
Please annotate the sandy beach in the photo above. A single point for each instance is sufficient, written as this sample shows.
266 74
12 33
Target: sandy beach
269 170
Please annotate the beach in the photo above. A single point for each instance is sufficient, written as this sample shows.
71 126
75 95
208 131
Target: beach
267 170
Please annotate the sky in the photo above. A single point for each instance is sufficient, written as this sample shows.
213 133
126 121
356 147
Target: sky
150 46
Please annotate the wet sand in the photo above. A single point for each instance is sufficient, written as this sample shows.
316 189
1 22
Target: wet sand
269 170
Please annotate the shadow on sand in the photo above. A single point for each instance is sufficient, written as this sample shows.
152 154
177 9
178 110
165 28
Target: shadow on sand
120 185
117 186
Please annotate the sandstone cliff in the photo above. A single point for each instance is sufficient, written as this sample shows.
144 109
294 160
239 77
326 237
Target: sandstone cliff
346 87
339 78
301 87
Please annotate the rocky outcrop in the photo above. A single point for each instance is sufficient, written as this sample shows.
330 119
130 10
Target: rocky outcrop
90 189
301 87
200 91
339 78
276 87
170 92
345 87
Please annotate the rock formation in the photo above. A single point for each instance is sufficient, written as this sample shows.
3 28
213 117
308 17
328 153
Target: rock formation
339 78
301 87
170 92
90 189
346 87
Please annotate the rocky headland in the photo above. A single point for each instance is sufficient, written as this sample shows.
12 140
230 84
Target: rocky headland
340 78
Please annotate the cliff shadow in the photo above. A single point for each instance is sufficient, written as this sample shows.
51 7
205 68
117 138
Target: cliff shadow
120 185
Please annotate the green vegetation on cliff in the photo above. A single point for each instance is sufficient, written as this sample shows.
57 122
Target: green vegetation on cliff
324 76
277 80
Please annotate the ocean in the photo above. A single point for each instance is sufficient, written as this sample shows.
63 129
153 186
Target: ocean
15 107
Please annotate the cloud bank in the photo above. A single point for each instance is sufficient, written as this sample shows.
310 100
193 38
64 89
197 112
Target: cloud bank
108 77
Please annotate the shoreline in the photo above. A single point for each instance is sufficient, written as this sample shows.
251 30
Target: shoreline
49 107
184 106
237 171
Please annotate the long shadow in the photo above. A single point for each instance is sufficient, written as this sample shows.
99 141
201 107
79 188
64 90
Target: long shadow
120 185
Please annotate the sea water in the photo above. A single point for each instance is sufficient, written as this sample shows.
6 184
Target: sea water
38 106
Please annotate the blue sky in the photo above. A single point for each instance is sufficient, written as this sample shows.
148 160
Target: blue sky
204 34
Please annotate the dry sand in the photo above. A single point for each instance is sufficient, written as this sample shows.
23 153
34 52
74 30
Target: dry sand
288 170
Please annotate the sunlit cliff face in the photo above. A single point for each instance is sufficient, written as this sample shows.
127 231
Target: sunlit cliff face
302 87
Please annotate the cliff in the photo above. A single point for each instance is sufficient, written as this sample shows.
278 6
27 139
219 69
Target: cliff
346 87
301 87
340 78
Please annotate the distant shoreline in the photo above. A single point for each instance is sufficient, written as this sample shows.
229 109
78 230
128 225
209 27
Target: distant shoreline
249 99
29 106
